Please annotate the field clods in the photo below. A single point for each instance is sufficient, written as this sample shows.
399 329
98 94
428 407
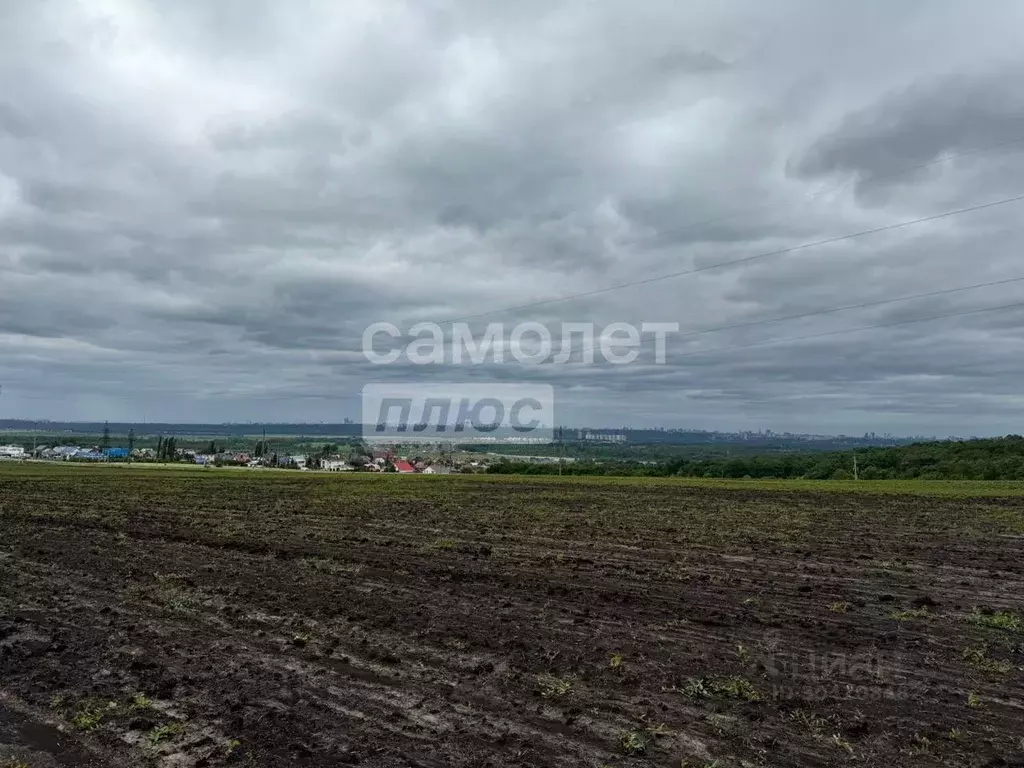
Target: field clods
275 619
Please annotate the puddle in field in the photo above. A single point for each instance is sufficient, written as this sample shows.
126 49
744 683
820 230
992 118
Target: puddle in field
43 745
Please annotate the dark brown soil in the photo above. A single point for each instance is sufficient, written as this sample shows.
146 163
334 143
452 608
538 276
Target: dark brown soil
192 619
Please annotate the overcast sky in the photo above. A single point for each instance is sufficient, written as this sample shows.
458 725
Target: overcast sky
203 204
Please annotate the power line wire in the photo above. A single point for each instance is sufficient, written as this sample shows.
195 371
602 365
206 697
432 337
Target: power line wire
809 196
841 331
844 185
745 259
812 195
820 312
849 307
830 310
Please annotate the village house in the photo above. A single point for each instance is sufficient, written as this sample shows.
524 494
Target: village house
298 462
59 452
437 470
84 454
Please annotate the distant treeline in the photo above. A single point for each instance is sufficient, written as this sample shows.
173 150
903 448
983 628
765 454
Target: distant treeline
990 459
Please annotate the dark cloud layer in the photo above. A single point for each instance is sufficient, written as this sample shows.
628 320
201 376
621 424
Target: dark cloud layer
202 205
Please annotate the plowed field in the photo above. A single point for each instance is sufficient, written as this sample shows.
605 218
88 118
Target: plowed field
246 618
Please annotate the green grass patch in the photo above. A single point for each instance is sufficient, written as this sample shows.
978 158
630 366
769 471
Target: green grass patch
979 659
88 718
552 687
162 733
1004 620
736 688
637 742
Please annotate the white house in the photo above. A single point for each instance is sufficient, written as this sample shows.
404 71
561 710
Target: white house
335 465
59 452
12 452
437 470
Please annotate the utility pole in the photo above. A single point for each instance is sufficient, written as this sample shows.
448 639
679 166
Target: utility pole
106 436
131 444
856 476
561 451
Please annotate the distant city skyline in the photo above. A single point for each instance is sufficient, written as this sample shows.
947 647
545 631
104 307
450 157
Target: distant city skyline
354 427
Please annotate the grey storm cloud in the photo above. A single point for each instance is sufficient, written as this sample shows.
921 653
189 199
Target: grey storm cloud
957 113
203 205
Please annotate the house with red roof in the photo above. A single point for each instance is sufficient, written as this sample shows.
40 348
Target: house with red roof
404 467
